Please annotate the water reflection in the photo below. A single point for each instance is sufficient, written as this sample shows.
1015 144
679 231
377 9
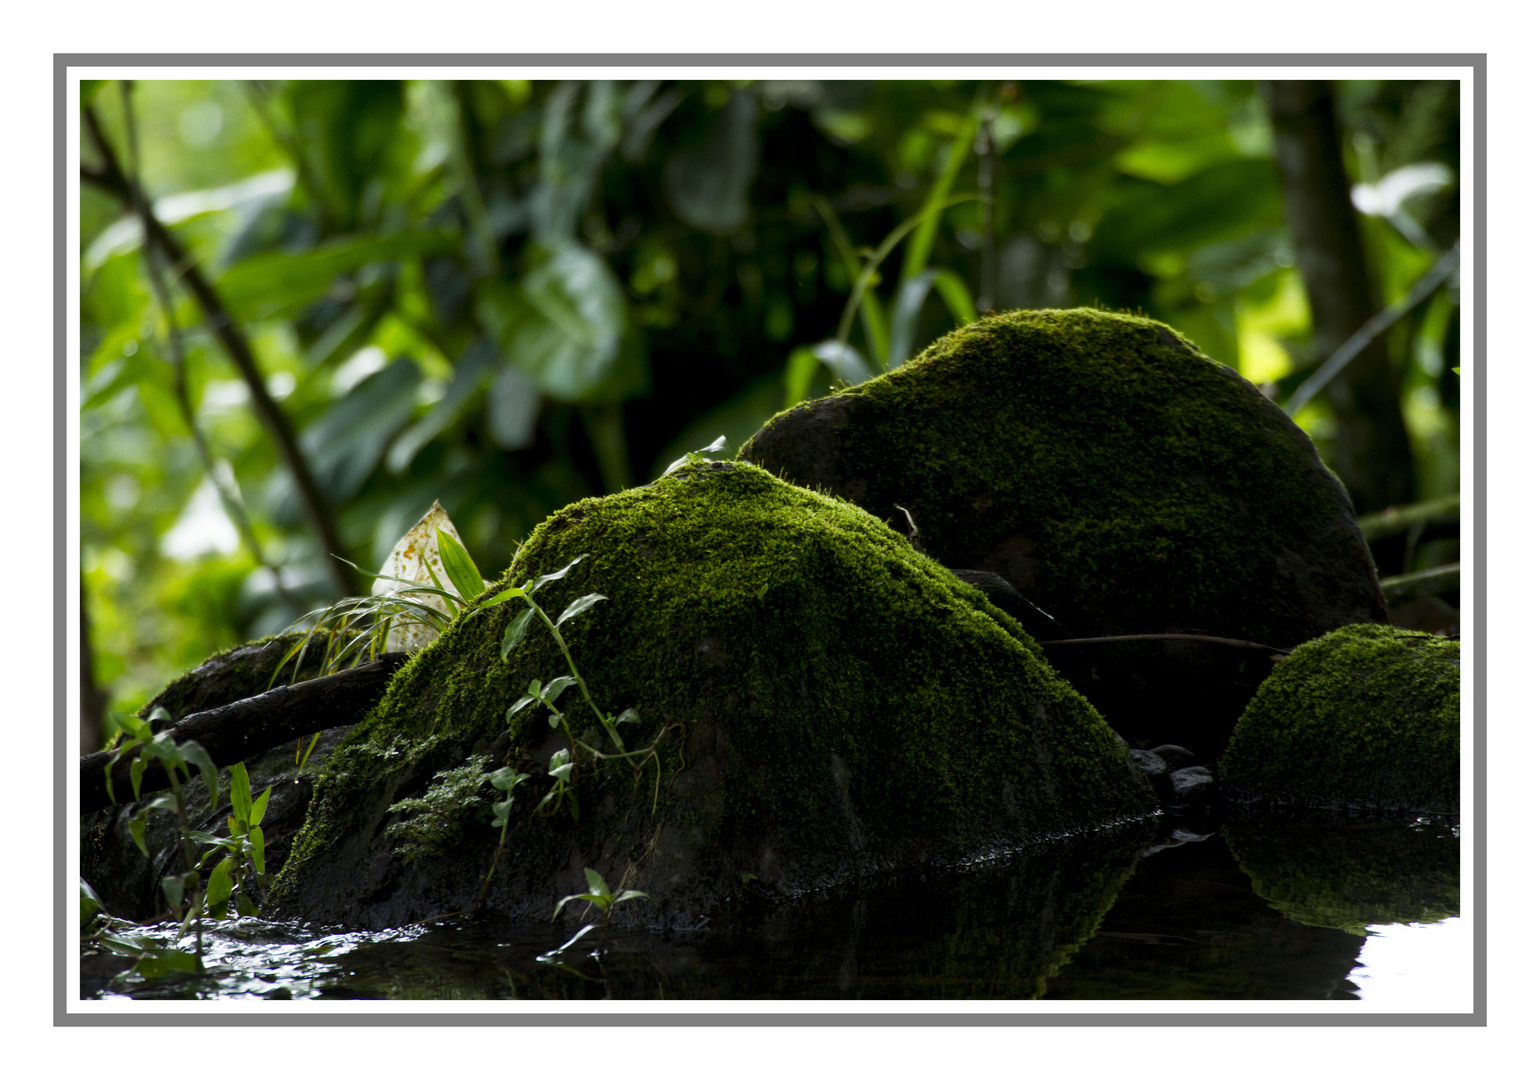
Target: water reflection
1124 916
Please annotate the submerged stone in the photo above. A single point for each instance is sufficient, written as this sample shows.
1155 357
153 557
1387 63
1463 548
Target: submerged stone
1120 481
1363 717
823 702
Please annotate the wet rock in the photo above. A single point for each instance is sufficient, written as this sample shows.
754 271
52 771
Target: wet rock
1192 786
1124 482
823 700
1366 717
1175 757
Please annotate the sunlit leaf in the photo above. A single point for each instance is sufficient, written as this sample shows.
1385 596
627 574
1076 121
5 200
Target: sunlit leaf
458 564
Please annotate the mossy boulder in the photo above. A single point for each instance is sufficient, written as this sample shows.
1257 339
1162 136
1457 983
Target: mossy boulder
823 700
1122 482
1366 717
1347 874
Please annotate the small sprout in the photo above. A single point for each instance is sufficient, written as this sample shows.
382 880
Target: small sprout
695 456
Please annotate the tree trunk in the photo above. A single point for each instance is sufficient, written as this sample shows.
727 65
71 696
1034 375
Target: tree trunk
1373 454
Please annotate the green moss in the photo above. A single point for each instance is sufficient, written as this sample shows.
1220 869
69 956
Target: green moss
1123 481
823 692
1350 875
1364 716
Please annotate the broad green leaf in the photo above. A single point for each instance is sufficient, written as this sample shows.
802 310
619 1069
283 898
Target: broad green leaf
259 847
629 716
562 323
516 631
460 567
220 884
562 772
631 894
518 706
580 605
136 830
137 729
279 283
708 180
136 771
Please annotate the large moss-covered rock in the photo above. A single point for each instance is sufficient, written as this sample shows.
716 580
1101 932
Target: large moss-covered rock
825 701
1363 717
1122 482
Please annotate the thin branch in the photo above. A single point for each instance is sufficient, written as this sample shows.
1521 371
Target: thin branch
234 505
111 177
1372 329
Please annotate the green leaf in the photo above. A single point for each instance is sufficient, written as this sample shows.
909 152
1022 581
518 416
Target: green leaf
279 283
631 894
588 897
259 808
555 688
168 961
220 885
545 579
194 754
172 886
596 884
708 180
580 605
562 323
460 566
136 830
136 771
258 848
630 716
502 597
519 705
90 903
562 772
505 779
240 791
138 730
516 631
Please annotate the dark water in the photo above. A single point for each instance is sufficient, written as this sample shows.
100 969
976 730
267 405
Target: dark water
1265 908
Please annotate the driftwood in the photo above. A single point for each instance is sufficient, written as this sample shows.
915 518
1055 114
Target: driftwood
244 728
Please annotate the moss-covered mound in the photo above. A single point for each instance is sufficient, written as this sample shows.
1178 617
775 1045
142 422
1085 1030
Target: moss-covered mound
1121 481
1364 717
825 701
1350 875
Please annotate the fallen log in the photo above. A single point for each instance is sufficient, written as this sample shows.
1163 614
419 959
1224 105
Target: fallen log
241 729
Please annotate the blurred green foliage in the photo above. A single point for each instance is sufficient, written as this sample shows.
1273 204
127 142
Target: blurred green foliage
509 295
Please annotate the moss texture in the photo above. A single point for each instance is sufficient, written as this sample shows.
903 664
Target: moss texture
1118 478
829 700
1363 717
1350 875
